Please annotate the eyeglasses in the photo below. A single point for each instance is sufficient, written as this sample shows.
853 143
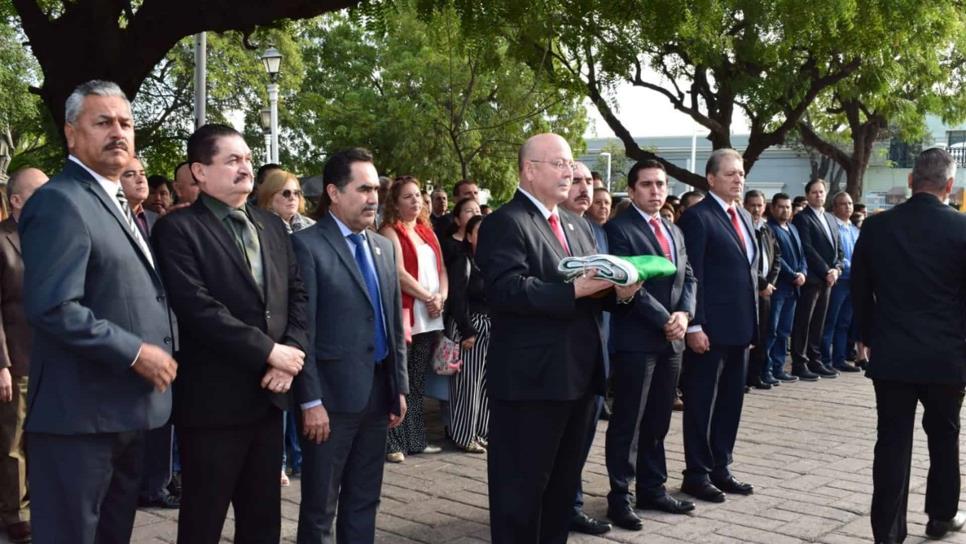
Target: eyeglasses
559 164
288 193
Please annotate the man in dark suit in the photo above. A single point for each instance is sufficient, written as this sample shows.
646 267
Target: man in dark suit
545 363
235 287
791 276
14 361
353 385
100 362
911 318
768 268
578 202
724 256
135 184
648 341
820 239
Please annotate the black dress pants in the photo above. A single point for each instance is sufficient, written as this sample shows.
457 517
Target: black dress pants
533 467
896 408
810 322
231 465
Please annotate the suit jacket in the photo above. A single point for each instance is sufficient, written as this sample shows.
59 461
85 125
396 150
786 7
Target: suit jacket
640 327
227 326
544 345
792 254
727 295
91 298
339 362
768 246
907 291
820 253
14 332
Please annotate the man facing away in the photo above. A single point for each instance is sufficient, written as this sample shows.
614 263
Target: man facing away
648 341
354 384
907 290
545 364
14 361
235 287
101 359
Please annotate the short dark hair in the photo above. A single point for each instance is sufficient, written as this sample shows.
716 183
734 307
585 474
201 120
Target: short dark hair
594 174
203 144
642 165
932 169
859 207
808 186
714 160
460 184
338 168
779 196
263 171
799 200
688 196
754 193
157 180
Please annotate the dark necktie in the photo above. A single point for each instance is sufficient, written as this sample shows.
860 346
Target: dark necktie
737 226
661 239
381 347
248 236
558 232
132 225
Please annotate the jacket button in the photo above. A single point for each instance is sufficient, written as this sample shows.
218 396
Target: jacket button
160 298
268 314
167 339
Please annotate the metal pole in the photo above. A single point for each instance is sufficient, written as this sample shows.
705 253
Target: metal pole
201 77
606 154
273 101
268 146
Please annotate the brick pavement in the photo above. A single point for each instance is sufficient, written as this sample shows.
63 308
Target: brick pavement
806 447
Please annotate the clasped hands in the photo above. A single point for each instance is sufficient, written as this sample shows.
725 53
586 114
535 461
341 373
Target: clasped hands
284 363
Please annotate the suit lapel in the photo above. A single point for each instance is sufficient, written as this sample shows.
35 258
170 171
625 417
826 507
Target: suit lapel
268 263
542 226
228 245
384 266
330 231
726 222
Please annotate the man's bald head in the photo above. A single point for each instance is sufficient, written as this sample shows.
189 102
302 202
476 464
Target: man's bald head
22 185
546 169
536 145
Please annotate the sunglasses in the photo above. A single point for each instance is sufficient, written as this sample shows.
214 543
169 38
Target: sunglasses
288 193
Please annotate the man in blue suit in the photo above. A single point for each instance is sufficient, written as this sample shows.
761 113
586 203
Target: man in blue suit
648 342
724 256
101 360
353 386
791 276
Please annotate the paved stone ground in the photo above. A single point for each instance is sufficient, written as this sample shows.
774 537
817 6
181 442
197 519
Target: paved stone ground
806 447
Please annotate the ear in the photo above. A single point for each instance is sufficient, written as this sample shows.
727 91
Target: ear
949 185
332 191
909 180
69 135
198 171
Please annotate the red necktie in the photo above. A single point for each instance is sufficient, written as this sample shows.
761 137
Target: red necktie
558 232
737 226
661 239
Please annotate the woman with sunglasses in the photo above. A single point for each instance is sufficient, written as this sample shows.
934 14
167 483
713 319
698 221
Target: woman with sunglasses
282 194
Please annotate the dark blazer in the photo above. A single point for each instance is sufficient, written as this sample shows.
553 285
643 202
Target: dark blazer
727 295
227 327
91 298
768 247
908 269
339 362
640 327
14 332
545 345
792 254
820 254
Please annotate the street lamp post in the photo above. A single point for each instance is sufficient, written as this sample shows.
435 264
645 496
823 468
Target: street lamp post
265 120
272 60
606 154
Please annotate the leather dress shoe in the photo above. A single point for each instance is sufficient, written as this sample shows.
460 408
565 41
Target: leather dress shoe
846 367
770 380
786 377
937 528
582 523
757 383
625 518
822 370
731 485
706 491
164 500
19 532
804 374
666 503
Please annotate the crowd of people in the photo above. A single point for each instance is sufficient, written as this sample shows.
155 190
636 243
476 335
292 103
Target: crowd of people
195 343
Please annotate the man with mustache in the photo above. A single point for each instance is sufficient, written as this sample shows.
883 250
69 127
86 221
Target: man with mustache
235 288
101 361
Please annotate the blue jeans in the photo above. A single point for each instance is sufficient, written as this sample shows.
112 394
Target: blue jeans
291 450
835 338
779 328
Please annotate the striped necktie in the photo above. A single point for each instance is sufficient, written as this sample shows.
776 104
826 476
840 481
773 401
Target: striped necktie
132 226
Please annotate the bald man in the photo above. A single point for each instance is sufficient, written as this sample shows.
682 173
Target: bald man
545 364
14 362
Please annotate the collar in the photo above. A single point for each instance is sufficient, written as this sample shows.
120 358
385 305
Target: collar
722 203
110 186
346 231
845 223
219 208
818 211
647 217
543 209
